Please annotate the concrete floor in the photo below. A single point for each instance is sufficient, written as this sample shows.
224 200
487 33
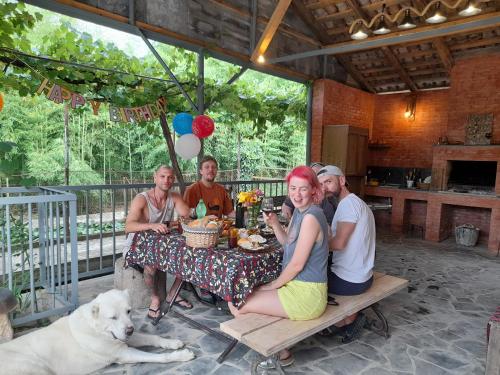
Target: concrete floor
438 324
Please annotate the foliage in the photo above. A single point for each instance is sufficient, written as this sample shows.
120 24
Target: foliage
259 110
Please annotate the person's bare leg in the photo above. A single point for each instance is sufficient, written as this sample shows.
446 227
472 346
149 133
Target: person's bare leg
347 320
150 279
179 299
262 302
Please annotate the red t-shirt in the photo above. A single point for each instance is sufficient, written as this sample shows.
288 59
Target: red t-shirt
216 199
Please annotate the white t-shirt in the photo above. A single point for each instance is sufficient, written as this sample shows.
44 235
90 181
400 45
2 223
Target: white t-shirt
355 262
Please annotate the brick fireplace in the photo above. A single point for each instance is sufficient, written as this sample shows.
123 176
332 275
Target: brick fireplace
445 155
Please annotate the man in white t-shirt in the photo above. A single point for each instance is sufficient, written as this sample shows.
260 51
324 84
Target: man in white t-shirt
352 245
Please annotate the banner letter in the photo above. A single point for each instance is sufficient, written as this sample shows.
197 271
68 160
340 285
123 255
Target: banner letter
95 106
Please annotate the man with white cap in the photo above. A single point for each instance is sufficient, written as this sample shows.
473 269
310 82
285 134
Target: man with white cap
352 245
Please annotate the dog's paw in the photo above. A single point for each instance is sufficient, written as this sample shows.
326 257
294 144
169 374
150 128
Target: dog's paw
184 355
171 344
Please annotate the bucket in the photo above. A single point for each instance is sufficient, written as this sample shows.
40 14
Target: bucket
466 235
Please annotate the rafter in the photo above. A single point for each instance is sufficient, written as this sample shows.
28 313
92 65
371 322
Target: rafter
270 30
367 7
439 44
264 21
444 53
387 51
475 44
322 4
469 24
397 66
320 32
358 77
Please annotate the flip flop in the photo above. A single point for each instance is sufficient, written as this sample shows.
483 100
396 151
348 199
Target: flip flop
178 302
268 364
157 311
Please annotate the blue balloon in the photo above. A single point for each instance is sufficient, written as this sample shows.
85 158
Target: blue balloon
183 123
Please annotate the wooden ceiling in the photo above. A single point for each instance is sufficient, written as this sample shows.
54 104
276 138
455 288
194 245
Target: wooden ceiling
306 39
411 66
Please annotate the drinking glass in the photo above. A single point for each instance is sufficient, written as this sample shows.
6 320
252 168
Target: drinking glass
267 207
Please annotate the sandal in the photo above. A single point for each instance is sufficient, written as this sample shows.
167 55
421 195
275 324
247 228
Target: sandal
182 303
155 312
268 364
353 331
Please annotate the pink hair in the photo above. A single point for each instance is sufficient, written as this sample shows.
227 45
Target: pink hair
306 173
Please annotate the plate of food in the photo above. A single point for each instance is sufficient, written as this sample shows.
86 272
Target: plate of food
253 243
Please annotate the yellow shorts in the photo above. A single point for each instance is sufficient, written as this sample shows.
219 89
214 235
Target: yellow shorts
303 300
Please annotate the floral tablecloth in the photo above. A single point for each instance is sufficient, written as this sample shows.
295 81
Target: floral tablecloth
229 273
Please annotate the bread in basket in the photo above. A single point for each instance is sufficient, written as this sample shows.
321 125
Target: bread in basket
201 233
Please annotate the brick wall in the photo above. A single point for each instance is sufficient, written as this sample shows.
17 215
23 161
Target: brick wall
458 215
475 88
337 104
410 141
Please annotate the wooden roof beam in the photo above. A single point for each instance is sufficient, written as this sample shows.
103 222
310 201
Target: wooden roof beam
399 68
322 4
469 24
270 30
367 7
387 51
444 53
475 44
358 77
439 44
305 15
320 32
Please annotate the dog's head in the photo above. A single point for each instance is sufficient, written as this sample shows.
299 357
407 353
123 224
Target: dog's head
110 314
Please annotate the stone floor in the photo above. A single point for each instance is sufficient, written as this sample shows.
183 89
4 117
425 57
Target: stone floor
438 323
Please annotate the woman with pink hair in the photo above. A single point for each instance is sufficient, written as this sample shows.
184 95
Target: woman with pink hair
300 292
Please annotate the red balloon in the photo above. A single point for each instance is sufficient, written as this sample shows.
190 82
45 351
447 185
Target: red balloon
203 126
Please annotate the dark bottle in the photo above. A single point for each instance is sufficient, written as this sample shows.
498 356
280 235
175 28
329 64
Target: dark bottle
240 216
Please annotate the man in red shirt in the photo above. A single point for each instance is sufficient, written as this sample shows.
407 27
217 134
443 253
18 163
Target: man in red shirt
215 197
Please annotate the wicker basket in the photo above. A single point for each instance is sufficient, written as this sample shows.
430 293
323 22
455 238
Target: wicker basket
200 237
466 235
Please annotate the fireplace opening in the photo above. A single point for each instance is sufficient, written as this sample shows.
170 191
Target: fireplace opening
472 176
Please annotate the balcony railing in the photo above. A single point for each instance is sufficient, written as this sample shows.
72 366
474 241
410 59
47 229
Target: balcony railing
53 236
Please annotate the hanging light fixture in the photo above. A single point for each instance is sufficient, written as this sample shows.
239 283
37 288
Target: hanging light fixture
438 15
471 9
411 107
407 22
382 27
359 32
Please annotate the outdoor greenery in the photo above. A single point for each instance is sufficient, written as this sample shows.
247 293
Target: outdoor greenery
262 116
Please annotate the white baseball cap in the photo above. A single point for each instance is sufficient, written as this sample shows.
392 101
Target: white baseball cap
330 170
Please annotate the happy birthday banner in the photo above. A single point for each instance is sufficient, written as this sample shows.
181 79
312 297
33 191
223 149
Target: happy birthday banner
59 94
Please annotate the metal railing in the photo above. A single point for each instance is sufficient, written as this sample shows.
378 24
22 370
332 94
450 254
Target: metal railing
35 246
38 245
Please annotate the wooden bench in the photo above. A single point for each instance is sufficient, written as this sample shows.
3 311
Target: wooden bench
268 335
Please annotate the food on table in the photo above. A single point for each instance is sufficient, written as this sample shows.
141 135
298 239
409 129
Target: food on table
204 223
257 238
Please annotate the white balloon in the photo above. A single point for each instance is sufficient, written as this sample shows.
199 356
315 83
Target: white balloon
188 146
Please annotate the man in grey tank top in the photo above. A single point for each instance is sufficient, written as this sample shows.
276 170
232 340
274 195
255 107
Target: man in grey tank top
151 210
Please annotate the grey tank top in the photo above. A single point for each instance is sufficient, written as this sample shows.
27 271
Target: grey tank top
155 216
315 268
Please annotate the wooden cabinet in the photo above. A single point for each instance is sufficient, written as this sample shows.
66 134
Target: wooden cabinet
346 147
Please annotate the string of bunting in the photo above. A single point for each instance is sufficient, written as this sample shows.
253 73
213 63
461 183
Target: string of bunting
59 94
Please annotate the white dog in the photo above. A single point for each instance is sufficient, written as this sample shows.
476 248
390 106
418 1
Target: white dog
94 336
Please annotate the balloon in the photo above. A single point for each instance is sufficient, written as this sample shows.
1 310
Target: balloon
1 102
188 146
183 123
203 126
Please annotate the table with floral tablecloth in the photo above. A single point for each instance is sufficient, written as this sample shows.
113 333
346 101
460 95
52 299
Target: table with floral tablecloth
230 273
